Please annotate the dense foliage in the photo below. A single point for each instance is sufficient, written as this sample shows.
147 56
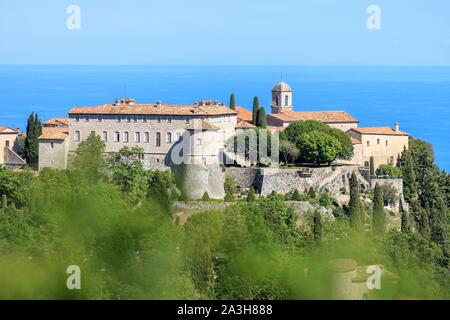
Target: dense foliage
317 142
113 220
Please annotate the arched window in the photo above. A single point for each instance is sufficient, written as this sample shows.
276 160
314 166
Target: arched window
286 101
276 101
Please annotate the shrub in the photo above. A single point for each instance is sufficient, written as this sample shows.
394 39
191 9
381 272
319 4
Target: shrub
312 193
325 199
206 197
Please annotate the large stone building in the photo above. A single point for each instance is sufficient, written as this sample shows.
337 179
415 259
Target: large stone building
9 144
204 127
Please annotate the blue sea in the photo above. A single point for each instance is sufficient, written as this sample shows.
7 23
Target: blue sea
416 97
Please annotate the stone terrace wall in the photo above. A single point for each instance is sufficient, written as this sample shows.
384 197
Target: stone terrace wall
321 179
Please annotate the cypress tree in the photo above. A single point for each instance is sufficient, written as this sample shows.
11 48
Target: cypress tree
232 102
438 226
261 118
251 195
34 130
312 193
205 197
409 176
296 195
255 111
378 217
424 222
355 206
317 226
405 222
372 166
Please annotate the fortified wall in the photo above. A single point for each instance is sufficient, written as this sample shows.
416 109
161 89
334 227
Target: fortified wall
283 181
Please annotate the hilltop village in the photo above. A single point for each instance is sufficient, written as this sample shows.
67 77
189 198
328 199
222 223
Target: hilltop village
328 179
207 126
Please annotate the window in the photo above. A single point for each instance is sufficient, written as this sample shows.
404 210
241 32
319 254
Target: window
199 142
169 119
368 143
168 137
187 120
286 100
137 137
146 137
86 119
135 119
119 118
158 139
387 143
92 133
77 118
378 141
158 119
117 136
144 119
128 119
7 143
104 136
52 145
276 101
99 118
77 136
126 137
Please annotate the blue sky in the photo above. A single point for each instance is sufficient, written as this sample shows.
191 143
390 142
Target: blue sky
225 32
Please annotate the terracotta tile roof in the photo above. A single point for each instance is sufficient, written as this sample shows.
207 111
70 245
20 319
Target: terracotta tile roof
8 130
322 116
355 141
204 126
244 114
54 133
245 125
379 131
57 121
153 109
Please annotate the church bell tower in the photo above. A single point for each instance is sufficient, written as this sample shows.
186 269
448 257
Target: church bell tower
281 98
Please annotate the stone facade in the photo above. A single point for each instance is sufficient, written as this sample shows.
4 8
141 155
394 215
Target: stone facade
53 154
155 134
283 181
9 139
383 144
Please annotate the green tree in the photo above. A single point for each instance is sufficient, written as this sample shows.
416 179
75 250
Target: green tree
355 206
261 119
378 216
372 166
390 170
288 151
295 131
317 226
251 197
439 227
424 222
255 111
128 172
230 188
325 200
31 148
311 193
206 197
296 195
232 102
409 176
89 162
406 223
318 147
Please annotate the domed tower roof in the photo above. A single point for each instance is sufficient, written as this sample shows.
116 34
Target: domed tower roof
281 87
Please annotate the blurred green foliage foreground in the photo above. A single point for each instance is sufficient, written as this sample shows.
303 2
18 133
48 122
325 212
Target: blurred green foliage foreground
112 218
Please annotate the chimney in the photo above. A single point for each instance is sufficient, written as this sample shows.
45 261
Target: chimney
397 127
